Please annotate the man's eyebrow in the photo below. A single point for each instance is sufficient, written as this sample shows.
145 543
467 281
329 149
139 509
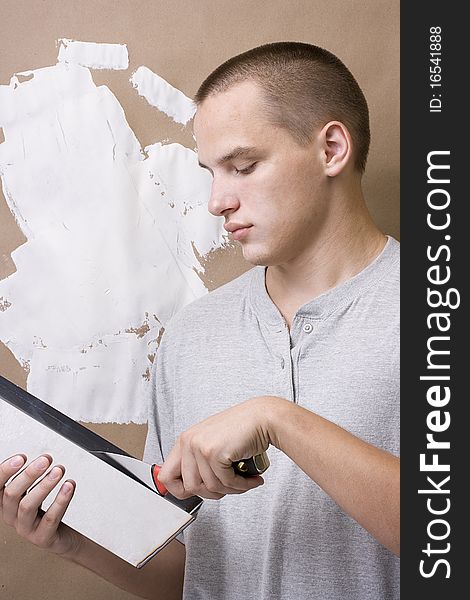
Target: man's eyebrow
237 152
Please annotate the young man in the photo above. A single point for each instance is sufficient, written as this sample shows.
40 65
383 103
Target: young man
298 356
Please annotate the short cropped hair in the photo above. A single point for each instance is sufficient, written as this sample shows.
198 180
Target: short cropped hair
305 87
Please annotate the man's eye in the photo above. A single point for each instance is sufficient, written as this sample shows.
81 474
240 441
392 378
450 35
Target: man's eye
246 170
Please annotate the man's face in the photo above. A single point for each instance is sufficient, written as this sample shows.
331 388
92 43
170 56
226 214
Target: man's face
270 190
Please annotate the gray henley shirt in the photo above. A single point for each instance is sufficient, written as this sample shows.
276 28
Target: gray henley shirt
286 540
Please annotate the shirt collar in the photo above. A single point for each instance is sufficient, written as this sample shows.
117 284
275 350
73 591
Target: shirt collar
328 302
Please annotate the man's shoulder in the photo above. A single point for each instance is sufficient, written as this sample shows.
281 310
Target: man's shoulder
383 274
230 294
393 265
224 301
382 293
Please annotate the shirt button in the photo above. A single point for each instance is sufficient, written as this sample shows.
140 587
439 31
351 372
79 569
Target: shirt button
307 327
282 363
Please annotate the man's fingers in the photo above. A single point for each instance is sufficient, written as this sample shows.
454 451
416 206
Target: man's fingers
8 468
208 478
17 487
170 474
51 519
30 504
232 480
200 478
180 475
212 484
193 481
188 471
190 475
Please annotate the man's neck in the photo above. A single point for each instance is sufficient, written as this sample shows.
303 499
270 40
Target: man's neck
336 257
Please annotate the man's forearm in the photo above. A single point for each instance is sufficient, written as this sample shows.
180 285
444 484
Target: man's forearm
161 578
362 479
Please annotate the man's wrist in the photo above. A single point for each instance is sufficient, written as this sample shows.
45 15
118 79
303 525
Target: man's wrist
275 413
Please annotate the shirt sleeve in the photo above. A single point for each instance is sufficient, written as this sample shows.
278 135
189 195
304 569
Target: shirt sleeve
161 431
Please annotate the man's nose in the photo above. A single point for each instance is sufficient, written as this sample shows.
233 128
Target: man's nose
222 199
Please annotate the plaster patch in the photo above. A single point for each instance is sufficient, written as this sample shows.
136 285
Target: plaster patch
109 255
162 95
93 55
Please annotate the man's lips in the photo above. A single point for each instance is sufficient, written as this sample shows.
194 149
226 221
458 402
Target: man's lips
232 227
238 230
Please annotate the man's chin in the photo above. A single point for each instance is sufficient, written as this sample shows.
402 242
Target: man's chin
256 257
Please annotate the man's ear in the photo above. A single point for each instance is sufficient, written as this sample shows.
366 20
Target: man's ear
336 145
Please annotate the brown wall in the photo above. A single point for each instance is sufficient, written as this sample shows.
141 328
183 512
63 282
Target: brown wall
183 41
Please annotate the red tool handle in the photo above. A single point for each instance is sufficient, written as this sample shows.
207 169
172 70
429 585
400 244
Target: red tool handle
158 484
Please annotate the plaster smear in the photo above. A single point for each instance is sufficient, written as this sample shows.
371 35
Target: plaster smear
111 238
93 55
162 95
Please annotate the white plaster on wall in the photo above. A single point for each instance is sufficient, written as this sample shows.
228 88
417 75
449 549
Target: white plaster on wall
162 95
109 257
93 55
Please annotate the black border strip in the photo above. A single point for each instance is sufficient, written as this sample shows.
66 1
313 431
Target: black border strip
423 132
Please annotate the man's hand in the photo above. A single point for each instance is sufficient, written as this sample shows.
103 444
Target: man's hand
21 510
362 479
161 579
200 463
